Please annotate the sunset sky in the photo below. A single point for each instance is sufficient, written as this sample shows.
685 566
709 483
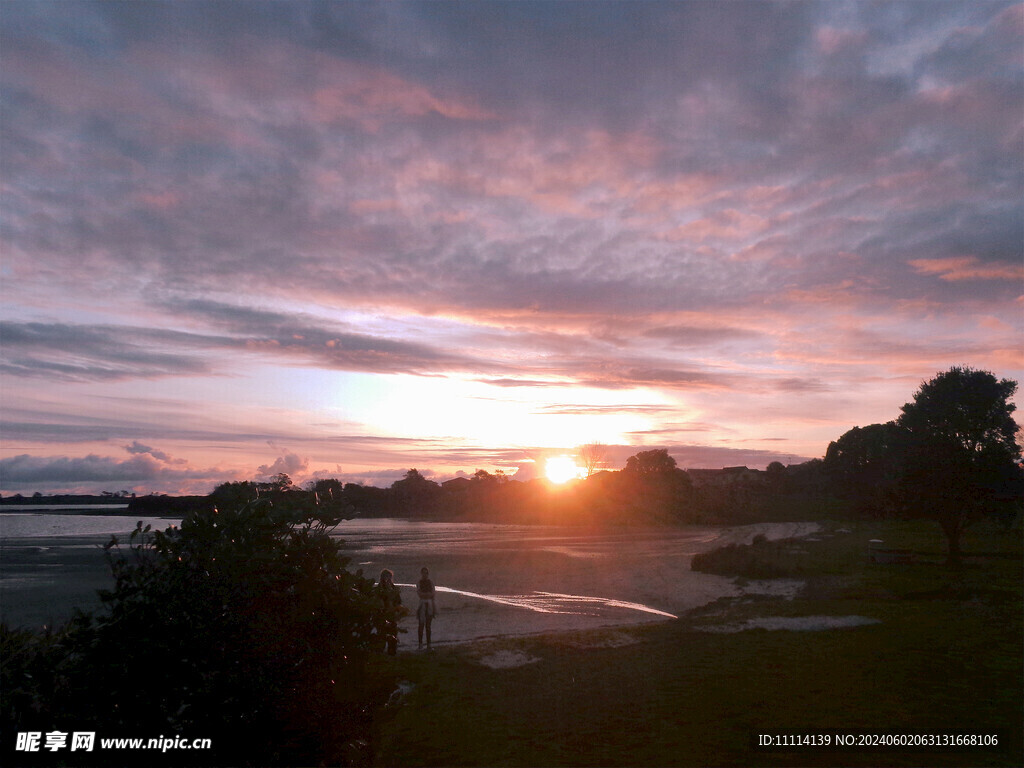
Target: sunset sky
345 239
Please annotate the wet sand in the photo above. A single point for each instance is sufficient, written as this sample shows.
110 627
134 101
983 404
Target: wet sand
513 580
492 580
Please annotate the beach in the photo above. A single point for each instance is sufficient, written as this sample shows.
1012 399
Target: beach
492 580
495 581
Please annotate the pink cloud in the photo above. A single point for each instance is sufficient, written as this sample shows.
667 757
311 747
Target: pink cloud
577 177
729 224
160 200
958 268
288 464
831 40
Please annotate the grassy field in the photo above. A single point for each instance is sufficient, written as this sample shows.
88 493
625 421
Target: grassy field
945 658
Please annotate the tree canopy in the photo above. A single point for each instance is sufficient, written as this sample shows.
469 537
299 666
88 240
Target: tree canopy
958 456
951 456
243 623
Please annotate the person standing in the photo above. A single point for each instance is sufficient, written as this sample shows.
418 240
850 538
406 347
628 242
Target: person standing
390 604
428 609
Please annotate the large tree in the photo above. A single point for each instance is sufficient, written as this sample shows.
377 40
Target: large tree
863 464
653 463
959 456
658 488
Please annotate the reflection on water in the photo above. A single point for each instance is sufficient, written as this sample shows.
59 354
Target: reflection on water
610 603
552 602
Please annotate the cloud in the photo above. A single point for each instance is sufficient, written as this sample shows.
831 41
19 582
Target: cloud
105 353
139 449
719 203
967 268
287 237
287 464
141 473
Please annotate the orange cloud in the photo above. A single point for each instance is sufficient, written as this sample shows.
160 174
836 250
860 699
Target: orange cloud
959 268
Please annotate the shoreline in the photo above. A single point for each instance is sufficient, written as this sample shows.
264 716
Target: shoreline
529 580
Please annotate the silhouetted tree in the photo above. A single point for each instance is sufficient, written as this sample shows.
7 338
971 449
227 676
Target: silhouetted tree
863 465
328 488
280 484
959 456
660 489
243 623
592 457
368 500
234 494
650 463
776 475
414 494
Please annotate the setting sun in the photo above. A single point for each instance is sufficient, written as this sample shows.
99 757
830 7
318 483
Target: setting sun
562 469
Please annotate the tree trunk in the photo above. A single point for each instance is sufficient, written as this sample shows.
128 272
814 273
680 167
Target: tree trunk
953 527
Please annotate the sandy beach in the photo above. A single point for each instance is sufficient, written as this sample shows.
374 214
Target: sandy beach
492 580
511 580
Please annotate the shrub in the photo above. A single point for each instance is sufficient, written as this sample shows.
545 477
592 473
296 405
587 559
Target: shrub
242 626
752 561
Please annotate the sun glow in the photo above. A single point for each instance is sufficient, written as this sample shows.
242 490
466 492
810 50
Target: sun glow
562 469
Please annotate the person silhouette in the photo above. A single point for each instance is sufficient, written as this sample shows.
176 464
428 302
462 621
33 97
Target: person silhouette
428 609
390 603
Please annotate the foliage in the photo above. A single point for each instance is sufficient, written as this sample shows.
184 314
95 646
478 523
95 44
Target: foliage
243 625
968 409
592 457
958 455
653 463
758 560
414 493
950 457
863 465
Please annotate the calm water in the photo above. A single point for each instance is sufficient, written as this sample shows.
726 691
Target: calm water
19 525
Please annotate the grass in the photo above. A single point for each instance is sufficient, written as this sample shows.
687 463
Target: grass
946 658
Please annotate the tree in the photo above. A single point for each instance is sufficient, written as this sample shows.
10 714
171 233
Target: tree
863 463
280 483
414 494
650 463
243 623
776 475
592 457
959 456
328 488
657 486
234 494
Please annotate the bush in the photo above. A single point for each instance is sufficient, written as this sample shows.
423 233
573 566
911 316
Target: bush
242 626
758 560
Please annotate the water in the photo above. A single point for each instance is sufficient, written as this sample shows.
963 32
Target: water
51 563
20 525
491 579
55 507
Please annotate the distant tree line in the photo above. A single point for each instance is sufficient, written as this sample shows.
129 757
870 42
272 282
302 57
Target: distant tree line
106 497
651 489
951 456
